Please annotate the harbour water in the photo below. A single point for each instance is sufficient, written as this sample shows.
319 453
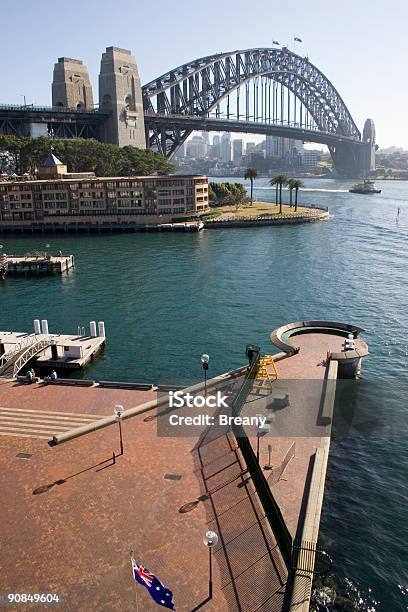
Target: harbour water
168 298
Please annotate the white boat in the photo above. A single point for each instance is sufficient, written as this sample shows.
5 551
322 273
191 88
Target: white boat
366 187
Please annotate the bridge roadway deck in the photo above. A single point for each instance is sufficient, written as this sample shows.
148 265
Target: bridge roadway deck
72 516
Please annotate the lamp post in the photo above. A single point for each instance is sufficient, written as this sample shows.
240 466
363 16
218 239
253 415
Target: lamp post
268 466
260 431
204 362
210 539
118 413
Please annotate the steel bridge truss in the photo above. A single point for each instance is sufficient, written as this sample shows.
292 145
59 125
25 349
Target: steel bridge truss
286 90
55 129
22 121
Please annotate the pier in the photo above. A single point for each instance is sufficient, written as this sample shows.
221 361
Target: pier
262 494
49 351
187 226
40 263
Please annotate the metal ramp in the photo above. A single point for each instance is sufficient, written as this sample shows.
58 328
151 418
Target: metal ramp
14 360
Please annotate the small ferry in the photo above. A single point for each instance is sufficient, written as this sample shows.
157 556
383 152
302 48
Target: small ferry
366 187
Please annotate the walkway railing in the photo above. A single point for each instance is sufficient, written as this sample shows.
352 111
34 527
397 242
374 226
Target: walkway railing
29 354
13 361
16 348
269 504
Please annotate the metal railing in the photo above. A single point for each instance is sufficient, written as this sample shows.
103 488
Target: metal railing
16 348
29 354
52 109
15 359
269 504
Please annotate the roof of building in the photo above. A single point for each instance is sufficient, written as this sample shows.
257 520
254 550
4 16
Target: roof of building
102 179
52 161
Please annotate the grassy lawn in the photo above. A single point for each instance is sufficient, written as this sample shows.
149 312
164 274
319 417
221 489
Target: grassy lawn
260 209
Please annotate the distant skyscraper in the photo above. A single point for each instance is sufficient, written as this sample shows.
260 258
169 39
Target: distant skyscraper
197 147
181 152
237 151
226 147
278 147
214 151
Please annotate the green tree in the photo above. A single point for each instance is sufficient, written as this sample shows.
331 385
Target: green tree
251 174
296 185
278 182
291 187
84 155
227 193
211 193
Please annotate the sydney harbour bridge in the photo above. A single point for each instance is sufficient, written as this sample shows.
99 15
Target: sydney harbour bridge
266 91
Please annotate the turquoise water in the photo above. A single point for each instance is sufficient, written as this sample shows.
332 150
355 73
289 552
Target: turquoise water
168 298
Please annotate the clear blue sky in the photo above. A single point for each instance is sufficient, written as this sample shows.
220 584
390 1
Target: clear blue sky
361 45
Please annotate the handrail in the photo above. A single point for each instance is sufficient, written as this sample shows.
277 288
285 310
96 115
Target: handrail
16 348
269 504
29 353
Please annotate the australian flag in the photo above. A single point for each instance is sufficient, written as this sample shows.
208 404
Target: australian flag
161 594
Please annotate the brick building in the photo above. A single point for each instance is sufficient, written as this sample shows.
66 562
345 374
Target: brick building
63 200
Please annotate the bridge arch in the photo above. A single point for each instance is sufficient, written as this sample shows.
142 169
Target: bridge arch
196 89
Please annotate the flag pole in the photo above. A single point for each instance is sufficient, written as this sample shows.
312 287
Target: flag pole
134 581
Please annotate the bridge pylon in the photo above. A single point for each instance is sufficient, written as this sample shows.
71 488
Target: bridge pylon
356 159
120 92
71 86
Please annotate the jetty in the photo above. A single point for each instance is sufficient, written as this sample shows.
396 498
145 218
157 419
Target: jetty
187 226
49 351
37 263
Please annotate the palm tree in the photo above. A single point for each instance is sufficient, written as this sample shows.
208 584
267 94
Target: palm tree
296 186
291 186
279 181
251 174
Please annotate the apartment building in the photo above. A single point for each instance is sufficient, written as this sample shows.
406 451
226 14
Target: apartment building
62 198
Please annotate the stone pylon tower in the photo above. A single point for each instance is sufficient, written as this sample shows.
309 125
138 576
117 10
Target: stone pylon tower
120 91
71 86
369 138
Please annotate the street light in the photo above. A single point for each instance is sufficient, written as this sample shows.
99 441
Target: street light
119 409
210 539
268 466
260 431
204 362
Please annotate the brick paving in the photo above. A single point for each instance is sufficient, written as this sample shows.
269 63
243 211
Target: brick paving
72 517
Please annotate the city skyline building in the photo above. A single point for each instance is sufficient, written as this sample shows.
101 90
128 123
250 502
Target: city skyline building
226 147
237 150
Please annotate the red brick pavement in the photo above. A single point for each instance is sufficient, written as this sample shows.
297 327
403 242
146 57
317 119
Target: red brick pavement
71 517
